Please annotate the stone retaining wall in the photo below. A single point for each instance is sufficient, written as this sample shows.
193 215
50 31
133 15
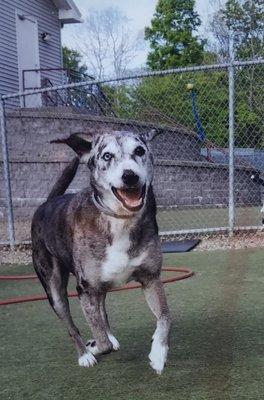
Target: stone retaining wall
182 177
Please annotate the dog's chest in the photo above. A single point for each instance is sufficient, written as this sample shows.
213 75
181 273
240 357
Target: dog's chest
118 266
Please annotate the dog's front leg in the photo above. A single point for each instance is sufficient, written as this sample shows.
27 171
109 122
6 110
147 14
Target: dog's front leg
90 303
113 340
156 299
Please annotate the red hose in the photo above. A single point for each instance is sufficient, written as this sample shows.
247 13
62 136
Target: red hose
16 277
186 273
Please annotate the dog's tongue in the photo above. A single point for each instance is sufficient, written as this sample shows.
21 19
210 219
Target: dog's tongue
131 197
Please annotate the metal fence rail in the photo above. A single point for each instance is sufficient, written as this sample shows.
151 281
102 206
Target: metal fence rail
210 120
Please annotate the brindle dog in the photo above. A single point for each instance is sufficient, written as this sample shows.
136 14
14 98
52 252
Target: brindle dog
105 235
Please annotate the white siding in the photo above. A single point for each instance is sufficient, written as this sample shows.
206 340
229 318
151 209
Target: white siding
50 52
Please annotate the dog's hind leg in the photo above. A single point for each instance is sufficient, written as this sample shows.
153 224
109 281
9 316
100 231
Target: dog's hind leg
113 340
156 299
54 280
90 303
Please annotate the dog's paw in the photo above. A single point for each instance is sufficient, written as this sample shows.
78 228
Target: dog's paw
87 360
92 347
114 341
158 357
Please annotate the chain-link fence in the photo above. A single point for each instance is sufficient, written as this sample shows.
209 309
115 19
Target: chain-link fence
210 144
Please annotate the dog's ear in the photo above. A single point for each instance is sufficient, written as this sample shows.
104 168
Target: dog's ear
151 134
81 143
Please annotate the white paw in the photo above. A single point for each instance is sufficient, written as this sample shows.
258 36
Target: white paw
114 341
158 356
92 347
87 360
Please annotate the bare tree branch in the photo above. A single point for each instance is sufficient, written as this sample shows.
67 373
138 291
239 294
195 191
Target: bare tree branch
107 43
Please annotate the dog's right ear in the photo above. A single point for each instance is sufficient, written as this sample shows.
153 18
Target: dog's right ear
81 143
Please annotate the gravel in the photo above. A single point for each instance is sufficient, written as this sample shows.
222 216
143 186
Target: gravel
239 241
22 253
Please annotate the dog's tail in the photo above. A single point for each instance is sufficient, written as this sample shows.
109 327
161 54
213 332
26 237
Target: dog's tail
65 179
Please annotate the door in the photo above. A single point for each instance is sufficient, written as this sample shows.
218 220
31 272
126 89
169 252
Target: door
28 58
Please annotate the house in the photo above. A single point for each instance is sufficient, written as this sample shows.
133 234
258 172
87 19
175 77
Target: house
30 43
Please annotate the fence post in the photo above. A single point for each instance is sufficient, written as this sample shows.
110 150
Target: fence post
11 230
231 79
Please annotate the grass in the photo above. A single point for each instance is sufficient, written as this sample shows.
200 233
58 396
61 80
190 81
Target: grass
173 219
216 342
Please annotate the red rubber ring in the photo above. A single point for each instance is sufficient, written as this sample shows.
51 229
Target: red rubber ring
186 273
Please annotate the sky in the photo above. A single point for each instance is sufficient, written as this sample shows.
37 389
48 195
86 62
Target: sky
139 14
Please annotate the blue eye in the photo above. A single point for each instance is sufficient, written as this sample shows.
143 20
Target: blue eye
107 156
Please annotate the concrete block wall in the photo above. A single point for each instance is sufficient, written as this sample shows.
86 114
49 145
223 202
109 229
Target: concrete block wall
194 184
30 131
182 177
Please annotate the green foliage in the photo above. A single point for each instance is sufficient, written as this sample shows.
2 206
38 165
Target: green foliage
250 107
72 62
166 100
246 19
171 37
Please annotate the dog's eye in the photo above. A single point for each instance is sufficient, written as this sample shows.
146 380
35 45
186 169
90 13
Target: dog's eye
107 156
139 151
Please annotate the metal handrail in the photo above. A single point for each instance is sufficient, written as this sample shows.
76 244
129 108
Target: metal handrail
69 73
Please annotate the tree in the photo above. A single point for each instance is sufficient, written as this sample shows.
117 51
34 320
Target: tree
171 36
72 62
246 19
107 43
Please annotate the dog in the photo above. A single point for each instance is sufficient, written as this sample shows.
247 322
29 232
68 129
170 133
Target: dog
105 235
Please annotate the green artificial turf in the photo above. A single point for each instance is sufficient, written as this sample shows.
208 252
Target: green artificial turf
216 341
198 218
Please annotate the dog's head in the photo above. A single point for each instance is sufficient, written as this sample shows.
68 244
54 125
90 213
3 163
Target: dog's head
121 166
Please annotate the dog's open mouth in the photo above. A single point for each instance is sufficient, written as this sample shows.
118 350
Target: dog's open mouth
132 198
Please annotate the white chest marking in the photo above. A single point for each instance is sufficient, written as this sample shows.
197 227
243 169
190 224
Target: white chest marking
118 267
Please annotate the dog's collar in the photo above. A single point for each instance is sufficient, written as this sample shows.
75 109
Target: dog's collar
104 209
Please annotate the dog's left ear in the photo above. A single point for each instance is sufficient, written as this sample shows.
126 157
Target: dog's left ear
81 143
151 134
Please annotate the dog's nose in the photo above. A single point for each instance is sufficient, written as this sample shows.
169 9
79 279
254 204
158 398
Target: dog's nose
130 178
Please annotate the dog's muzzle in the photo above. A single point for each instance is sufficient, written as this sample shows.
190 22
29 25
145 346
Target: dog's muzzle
129 178
132 194
132 198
